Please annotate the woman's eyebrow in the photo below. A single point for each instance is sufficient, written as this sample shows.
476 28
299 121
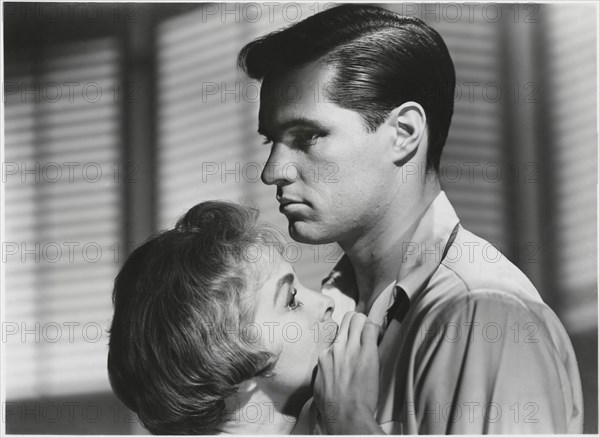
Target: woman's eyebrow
286 279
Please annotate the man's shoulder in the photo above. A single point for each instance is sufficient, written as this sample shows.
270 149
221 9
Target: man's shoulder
476 268
476 279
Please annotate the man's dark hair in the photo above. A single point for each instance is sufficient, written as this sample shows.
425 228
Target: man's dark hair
177 345
381 59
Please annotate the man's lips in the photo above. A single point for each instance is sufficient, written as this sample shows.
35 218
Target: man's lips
287 199
290 206
283 203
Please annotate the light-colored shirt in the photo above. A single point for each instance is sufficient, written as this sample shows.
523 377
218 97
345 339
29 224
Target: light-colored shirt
470 348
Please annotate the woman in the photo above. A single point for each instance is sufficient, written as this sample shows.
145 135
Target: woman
212 331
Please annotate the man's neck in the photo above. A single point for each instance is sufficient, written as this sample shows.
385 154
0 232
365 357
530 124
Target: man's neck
377 255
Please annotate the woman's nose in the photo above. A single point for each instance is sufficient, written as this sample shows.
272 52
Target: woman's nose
328 307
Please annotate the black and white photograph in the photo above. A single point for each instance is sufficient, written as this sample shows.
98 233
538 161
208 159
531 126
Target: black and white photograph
299 218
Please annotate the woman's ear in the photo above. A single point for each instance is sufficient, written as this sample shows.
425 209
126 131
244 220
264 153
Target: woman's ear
243 394
247 386
410 125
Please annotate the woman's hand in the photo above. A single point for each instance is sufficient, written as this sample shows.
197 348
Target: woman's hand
347 381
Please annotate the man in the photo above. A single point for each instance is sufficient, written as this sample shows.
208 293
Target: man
468 344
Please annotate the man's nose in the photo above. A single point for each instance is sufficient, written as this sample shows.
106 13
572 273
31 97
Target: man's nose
280 168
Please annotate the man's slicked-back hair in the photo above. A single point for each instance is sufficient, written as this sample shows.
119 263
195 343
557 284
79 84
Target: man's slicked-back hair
381 60
178 347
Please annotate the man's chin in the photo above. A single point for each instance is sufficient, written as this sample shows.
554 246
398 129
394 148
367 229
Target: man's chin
303 232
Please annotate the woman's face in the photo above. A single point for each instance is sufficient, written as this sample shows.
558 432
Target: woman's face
294 323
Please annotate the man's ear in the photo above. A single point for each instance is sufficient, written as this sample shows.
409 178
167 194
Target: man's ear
410 124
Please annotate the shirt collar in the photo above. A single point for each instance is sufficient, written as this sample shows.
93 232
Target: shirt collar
422 256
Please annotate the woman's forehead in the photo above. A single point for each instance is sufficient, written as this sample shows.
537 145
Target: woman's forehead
264 272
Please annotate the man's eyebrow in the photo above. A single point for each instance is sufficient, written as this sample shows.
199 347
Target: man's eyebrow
286 279
300 122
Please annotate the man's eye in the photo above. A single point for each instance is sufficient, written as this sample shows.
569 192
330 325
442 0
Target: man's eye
293 303
267 141
304 140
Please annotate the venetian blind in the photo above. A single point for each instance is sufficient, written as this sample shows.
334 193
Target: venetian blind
473 161
62 217
570 42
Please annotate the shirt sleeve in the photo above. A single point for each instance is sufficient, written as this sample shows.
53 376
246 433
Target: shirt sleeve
491 364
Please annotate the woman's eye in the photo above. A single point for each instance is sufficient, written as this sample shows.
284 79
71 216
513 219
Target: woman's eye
293 303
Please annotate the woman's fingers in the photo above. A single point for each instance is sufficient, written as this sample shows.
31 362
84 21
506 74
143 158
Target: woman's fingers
370 334
355 329
342 335
348 371
351 332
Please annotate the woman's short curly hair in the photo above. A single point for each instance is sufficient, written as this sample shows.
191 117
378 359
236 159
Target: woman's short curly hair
173 355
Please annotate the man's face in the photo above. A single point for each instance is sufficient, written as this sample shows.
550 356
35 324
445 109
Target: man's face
333 177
